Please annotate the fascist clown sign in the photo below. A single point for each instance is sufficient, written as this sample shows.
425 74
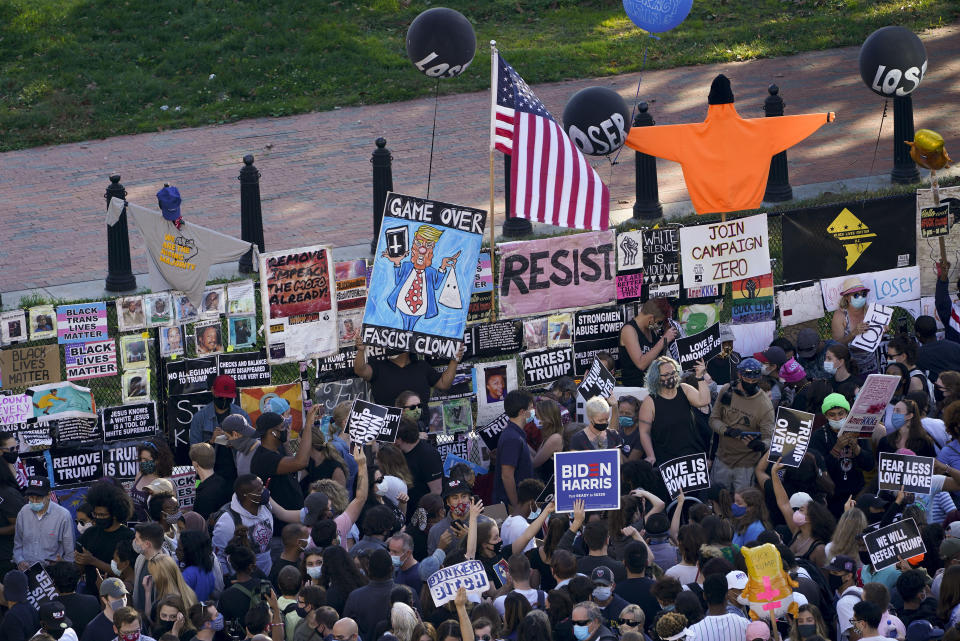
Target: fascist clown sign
423 274
592 476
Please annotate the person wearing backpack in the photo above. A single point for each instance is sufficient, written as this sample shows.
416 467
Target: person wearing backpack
843 579
246 517
249 589
903 349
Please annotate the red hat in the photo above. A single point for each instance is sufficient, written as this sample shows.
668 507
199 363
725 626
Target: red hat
224 387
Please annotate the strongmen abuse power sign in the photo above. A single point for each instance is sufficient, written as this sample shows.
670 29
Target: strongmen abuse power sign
592 476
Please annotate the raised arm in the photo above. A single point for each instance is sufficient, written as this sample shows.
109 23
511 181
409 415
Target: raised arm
291 464
476 508
446 380
360 366
675 521
645 418
362 486
783 501
521 541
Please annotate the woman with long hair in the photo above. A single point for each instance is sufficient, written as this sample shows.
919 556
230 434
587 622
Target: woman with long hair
424 631
541 556
167 580
948 607
559 606
11 495
535 626
392 462
947 386
719 534
172 617
750 516
846 537
551 436
909 433
195 552
515 607
848 323
811 523
808 623
339 577
325 462
403 621
667 426
618 520
155 460
689 539
838 362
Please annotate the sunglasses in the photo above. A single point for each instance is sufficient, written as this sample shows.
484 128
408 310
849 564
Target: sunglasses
581 621
889 355
630 622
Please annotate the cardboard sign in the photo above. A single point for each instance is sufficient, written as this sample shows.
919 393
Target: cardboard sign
81 323
184 479
491 383
752 299
722 252
559 273
661 261
546 366
248 369
71 466
912 473
370 422
791 436
886 288
935 221
876 319
15 408
493 339
887 545
191 376
34 365
299 307
446 582
685 473
129 421
800 305
871 404
90 360
597 382
40 588
592 476
702 346
481 298
77 429
490 433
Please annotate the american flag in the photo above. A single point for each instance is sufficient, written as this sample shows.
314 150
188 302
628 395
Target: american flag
550 180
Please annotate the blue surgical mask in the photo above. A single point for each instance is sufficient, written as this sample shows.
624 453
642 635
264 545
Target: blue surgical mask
217 623
397 561
37 507
315 571
857 303
830 367
898 420
533 515
602 592
738 510
581 632
626 421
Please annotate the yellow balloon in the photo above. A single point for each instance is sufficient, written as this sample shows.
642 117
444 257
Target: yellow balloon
927 150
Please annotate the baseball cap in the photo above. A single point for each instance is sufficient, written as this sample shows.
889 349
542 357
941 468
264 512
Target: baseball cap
278 405
169 200
757 630
316 505
53 615
799 499
268 421
657 524
736 580
841 563
834 400
792 372
37 486
455 484
726 334
750 367
160 486
224 387
772 354
953 530
15 586
922 630
602 575
807 342
112 587
237 423
949 548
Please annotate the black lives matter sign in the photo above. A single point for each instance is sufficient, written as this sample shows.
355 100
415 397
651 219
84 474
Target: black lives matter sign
129 421
912 473
791 436
370 422
685 474
547 365
900 540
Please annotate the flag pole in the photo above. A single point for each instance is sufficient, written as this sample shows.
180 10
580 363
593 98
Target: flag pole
490 217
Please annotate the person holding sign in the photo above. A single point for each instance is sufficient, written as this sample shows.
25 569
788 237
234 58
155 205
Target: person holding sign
846 455
668 429
743 417
849 322
641 341
400 372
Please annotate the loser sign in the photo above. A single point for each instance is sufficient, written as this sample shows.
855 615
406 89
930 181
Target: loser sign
591 476
685 474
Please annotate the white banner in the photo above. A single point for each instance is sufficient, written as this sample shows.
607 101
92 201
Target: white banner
886 287
722 252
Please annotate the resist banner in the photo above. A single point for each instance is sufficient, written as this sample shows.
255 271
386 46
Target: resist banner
791 436
722 252
546 366
564 272
129 421
685 474
81 323
592 476
299 307
912 473
90 360
423 275
704 345
900 540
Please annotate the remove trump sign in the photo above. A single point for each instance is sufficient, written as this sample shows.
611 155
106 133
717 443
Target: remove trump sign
592 476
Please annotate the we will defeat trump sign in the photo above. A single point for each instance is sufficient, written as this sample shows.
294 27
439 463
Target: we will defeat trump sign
592 476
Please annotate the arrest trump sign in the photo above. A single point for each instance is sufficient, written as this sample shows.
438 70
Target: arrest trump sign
592 476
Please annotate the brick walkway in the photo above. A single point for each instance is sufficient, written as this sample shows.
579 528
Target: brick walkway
316 182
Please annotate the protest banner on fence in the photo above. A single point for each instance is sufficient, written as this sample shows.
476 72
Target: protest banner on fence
40 587
491 382
446 582
661 261
15 408
180 411
135 386
368 422
559 273
129 421
72 466
887 545
596 331
685 474
871 404
545 366
22 367
81 323
90 360
911 473
191 376
585 352
598 381
886 288
800 304
423 274
130 313
490 433
592 476
121 460
340 365
722 252
629 287
877 318
791 436
493 339
630 250
299 306
61 400
935 221
246 368
76 429
481 298
752 299
43 322
256 400
184 479
702 346
329 394
241 298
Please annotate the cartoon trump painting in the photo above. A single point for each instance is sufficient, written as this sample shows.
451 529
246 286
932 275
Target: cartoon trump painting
417 281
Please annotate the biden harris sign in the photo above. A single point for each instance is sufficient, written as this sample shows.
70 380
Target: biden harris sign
591 476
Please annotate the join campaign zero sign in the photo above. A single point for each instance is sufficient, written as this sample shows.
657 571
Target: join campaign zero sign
722 252
592 476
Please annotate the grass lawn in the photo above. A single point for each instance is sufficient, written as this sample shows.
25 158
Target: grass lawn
78 69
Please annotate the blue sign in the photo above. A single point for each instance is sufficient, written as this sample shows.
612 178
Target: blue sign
592 475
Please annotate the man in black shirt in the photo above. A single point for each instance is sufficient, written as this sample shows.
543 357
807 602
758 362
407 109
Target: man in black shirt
636 589
11 498
424 463
402 372
277 471
235 600
81 609
213 491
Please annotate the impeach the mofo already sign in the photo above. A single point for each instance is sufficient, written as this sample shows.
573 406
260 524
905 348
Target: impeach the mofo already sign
592 476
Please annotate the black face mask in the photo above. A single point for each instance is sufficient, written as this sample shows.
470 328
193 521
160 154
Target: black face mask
835 581
222 403
162 628
497 547
103 523
670 383
748 388
864 557
807 630
57 632
11 457
281 436
600 427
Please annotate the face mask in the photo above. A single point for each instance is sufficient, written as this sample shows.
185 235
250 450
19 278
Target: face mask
281 435
807 630
898 420
217 623
412 413
397 561
148 467
533 416
162 627
173 518
37 507
302 612
830 367
222 403
582 632
737 510
460 510
315 571
497 547
859 302
799 518
57 632
137 547
602 593
533 515
287 422
626 421
836 424
749 388
84 527
11 457
133 636
835 581
116 604
104 523
670 382
600 427
115 568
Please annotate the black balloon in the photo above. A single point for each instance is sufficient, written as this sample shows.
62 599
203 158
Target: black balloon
892 61
597 120
441 43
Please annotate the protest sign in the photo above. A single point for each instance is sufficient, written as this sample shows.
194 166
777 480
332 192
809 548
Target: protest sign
331 393
751 338
911 473
423 274
446 582
886 288
722 252
559 273
661 261
134 351
31 464
368 422
800 304
559 329
685 474
76 429
877 318
246 368
871 404
340 365
241 332
351 299
704 291
592 476
887 545
491 382
43 322
696 317
61 400
121 461
13 327
81 323
214 302
40 587
598 323
241 299
598 381
848 238
481 298
630 250
299 306
935 221
457 415
535 332
585 351
90 360
490 433
72 466
184 480
752 299
256 400
191 375
629 287
15 408
180 411
129 421
493 339
32 365
702 346
545 366
791 436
